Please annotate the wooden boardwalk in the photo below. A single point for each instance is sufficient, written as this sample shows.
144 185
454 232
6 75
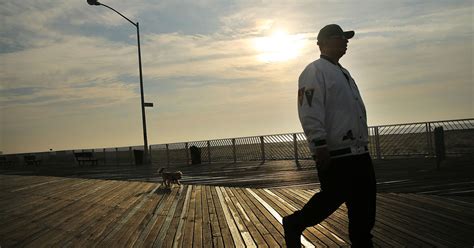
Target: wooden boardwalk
45 211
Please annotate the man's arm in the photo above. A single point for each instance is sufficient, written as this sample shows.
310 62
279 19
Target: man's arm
312 112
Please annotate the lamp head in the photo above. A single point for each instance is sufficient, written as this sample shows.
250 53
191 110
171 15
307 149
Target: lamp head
93 2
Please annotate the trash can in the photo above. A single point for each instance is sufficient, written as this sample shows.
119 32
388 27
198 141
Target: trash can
195 155
138 154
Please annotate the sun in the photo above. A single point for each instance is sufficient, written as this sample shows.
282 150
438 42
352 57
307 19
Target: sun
278 47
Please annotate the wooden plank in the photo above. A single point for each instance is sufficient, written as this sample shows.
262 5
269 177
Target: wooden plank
408 233
74 226
217 239
19 180
329 228
112 194
442 227
319 233
9 183
33 209
27 202
310 236
206 222
65 220
37 185
129 204
22 241
234 231
188 225
451 214
178 239
99 229
270 233
241 228
16 230
255 227
271 222
178 232
384 236
435 226
171 237
150 232
442 203
44 239
398 233
250 235
138 216
21 204
85 218
338 222
51 208
175 208
198 220
224 228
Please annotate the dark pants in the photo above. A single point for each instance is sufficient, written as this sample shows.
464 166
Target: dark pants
351 180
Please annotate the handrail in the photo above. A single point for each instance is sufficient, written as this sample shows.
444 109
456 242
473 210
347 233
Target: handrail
394 140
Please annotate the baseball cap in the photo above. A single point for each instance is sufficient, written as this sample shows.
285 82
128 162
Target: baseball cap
332 30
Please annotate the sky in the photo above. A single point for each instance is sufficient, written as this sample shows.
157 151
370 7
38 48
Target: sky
218 68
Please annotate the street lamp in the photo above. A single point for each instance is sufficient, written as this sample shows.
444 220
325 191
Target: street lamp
143 104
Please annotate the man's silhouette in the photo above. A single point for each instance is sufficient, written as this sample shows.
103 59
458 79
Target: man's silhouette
334 120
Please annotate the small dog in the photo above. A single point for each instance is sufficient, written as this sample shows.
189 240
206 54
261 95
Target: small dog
170 177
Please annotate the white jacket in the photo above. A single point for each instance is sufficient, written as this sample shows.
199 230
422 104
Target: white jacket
331 109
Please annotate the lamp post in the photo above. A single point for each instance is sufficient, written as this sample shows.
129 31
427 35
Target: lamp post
145 141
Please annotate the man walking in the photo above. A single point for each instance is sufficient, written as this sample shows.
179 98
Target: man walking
334 120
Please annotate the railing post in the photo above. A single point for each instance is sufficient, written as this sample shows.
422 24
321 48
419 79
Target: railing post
149 154
377 143
103 151
209 150
295 147
429 142
116 156
187 154
167 155
130 155
262 148
233 151
440 148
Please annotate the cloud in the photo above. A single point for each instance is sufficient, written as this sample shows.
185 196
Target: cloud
75 63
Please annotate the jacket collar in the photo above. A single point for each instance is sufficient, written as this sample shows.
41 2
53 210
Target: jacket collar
329 59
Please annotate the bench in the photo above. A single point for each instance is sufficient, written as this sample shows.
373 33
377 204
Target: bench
86 157
5 161
31 160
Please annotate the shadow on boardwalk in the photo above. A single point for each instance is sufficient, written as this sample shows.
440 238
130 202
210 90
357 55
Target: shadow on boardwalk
397 175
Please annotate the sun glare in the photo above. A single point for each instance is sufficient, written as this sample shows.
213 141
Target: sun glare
278 47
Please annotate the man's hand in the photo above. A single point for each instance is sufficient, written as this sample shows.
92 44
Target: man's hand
323 158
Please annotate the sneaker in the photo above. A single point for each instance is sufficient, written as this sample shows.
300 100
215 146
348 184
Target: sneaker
292 231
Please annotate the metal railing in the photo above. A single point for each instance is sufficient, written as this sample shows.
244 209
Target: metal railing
385 142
